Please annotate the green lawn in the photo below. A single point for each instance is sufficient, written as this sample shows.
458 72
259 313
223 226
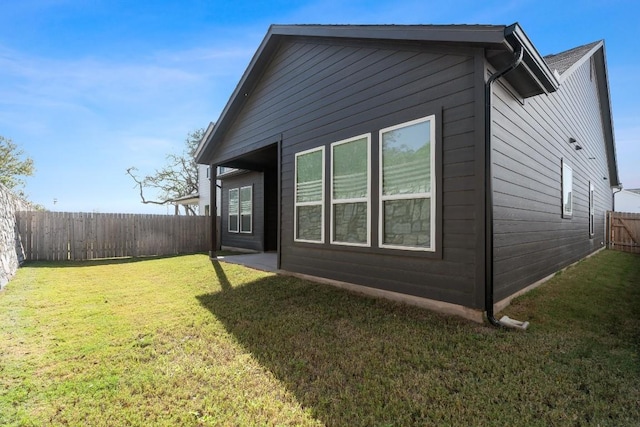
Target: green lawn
183 341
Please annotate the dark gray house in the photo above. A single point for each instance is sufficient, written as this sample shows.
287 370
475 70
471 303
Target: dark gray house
449 166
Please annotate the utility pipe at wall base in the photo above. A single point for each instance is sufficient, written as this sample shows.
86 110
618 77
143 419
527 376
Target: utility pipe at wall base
488 178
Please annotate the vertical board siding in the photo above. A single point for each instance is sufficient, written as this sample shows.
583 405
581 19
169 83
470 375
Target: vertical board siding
532 240
624 229
63 236
315 93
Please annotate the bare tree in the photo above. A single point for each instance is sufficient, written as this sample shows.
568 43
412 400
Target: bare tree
178 178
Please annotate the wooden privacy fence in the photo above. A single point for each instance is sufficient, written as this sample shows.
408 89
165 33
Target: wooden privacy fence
624 231
58 236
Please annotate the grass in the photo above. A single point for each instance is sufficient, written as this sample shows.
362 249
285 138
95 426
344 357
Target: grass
183 341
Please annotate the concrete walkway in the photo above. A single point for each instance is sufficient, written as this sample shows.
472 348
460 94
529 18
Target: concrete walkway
265 261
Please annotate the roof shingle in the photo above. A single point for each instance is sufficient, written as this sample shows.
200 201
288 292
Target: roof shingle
564 60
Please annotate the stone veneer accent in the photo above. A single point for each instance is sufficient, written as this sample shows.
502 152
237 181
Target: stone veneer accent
11 253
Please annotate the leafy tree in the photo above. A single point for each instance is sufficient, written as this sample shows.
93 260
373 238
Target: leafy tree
178 178
13 164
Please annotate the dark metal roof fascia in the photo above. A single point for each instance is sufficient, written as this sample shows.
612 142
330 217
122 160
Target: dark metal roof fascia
489 35
237 98
534 62
205 137
607 115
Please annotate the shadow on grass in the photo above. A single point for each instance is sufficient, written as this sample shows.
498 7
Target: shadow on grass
352 360
222 276
100 261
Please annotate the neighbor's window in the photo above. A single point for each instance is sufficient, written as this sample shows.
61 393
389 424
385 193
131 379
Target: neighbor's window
591 210
246 208
309 196
567 190
407 185
350 191
233 210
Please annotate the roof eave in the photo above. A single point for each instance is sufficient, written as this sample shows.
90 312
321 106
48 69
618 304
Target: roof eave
206 148
203 141
488 35
607 115
535 63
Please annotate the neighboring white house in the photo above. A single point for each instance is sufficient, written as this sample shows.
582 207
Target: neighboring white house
204 190
202 198
627 200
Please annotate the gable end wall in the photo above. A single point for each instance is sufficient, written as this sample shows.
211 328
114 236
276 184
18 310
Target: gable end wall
315 93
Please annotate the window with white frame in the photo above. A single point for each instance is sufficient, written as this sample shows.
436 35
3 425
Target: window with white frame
233 210
350 160
309 196
407 185
241 210
591 210
567 190
246 209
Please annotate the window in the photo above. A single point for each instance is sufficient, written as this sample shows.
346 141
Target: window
246 209
407 185
233 210
567 190
350 191
591 211
309 196
240 210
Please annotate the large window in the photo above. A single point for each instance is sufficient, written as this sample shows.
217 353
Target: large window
233 210
407 185
309 196
246 209
350 191
567 190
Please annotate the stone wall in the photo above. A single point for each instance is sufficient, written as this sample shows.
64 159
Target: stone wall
11 254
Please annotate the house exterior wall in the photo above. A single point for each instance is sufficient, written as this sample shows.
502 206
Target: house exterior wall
627 201
204 190
255 239
530 142
315 93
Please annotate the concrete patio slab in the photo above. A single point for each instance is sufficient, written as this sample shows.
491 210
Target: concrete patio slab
265 261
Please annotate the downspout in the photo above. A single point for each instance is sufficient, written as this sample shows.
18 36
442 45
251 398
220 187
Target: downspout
488 190
613 198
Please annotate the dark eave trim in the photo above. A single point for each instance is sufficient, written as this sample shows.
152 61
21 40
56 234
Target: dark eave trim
488 35
257 64
534 62
607 116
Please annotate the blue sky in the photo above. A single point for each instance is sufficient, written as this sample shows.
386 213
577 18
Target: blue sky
90 88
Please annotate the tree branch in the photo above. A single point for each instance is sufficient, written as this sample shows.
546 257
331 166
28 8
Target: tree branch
140 186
